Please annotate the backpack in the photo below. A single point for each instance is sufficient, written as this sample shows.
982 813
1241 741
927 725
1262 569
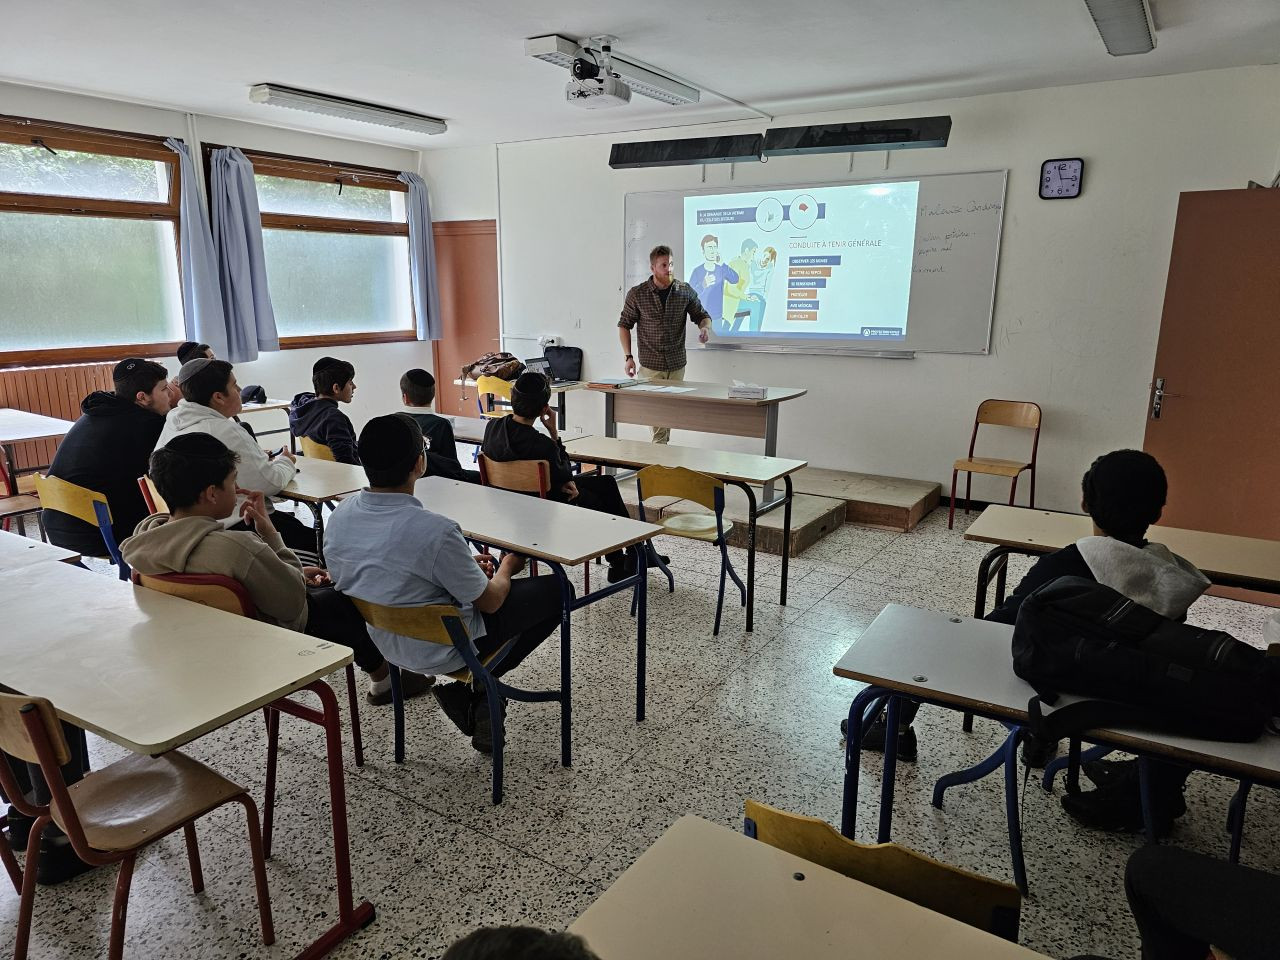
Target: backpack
1074 635
502 365
566 362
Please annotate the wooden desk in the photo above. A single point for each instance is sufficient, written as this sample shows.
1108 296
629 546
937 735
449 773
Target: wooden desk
318 482
705 891
562 535
739 469
17 552
558 392
265 407
152 672
18 425
965 664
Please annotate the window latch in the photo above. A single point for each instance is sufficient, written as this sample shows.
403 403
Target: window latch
40 143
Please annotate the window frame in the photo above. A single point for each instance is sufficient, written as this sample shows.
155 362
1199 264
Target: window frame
323 171
27 131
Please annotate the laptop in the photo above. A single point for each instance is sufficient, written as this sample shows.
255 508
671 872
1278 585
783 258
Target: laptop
543 366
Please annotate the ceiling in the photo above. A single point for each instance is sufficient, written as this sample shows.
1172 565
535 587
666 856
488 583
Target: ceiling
466 63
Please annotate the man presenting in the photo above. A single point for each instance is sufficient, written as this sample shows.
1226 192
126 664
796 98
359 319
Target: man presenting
659 306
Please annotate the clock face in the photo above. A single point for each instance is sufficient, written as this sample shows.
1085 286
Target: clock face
1061 179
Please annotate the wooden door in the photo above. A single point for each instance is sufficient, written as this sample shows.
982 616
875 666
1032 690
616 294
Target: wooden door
1219 358
467 275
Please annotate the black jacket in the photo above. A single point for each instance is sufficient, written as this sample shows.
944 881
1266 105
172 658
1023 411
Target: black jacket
107 450
1066 562
506 439
319 419
442 455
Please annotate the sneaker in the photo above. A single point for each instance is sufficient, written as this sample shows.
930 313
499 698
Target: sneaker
58 861
411 685
455 700
19 829
1105 773
874 736
482 738
1118 809
1037 753
618 572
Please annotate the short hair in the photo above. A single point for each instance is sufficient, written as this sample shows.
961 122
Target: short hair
188 465
1124 492
135 375
529 394
419 386
212 378
709 238
661 250
749 244
191 350
330 372
519 943
389 446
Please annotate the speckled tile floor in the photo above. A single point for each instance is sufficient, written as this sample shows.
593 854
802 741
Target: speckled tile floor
729 717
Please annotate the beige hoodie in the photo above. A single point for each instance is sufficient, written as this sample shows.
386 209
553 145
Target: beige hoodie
267 568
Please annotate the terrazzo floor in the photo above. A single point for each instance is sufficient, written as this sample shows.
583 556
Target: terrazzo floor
728 718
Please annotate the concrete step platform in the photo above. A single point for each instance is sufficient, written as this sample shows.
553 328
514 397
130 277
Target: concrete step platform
891 502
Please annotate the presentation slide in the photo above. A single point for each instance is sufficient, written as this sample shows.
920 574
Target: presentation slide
830 263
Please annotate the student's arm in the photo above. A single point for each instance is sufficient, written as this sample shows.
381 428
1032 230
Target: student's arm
454 567
275 580
257 471
442 444
1066 562
495 593
340 437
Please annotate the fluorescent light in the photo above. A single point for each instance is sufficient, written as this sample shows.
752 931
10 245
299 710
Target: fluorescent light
560 52
278 96
1125 25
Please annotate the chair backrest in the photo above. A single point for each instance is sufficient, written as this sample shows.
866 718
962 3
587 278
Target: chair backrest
15 739
316 449
522 476
682 483
210 589
79 502
492 387
968 897
151 496
429 622
1022 414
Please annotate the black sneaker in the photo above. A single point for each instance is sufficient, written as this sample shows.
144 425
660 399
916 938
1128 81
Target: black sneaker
455 700
618 572
58 861
19 829
411 685
1118 809
482 738
874 736
1106 773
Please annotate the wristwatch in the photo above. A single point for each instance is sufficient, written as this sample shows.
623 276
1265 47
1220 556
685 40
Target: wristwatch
628 357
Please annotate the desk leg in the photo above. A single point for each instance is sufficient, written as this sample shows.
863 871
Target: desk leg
890 768
566 666
610 425
751 554
642 636
561 403
1235 819
864 707
786 539
1011 808
1144 790
770 443
11 471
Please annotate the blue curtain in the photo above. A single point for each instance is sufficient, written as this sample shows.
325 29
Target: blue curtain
242 269
422 258
202 306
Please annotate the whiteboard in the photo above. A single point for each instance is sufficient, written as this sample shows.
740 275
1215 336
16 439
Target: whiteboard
957 252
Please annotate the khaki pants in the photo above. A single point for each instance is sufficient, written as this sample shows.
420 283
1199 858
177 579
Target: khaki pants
660 434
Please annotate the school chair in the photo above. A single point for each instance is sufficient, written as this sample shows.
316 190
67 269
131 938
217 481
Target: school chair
18 507
489 390
523 476
316 450
713 528
151 496
438 623
83 504
968 897
1000 413
115 812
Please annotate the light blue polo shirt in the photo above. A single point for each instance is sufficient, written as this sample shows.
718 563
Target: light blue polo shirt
388 548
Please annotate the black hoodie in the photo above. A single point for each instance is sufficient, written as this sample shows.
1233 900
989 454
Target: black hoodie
107 450
319 419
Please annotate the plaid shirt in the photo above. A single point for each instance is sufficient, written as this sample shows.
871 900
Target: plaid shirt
661 337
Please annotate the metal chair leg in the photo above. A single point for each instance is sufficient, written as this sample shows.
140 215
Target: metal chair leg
28 902
193 858
259 870
120 907
353 700
397 709
951 512
269 791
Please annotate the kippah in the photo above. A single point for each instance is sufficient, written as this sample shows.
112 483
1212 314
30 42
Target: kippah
126 367
531 383
191 368
390 441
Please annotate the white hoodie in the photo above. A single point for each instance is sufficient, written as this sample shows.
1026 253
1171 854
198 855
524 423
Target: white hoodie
1153 576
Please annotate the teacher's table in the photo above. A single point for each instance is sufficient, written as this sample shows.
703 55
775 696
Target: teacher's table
966 664
561 535
739 469
264 407
1226 560
151 672
17 552
318 482
558 391
17 426
706 891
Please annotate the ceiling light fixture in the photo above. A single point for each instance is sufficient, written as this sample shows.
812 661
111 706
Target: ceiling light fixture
560 51
1125 25
279 96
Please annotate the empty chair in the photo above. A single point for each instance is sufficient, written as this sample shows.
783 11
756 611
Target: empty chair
1001 413
83 504
968 897
316 450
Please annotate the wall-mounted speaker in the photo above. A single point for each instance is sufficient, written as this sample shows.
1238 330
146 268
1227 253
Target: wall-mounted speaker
674 153
850 137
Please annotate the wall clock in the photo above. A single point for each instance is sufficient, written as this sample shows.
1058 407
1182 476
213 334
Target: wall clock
1061 179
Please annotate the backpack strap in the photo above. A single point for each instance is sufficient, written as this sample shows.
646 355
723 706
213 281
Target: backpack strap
1075 718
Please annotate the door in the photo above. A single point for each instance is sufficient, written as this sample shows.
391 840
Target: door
467 278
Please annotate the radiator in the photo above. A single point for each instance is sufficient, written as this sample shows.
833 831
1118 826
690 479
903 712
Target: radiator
54 392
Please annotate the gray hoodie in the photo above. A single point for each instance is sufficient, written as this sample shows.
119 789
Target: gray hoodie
267 568
1153 575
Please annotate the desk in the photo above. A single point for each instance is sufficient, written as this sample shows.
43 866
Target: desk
17 552
18 425
739 469
558 392
561 535
152 672
965 664
318 482
471 430
263 408
705 891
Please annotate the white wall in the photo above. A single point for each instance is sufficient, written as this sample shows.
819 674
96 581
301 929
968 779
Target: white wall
1080 287
463 182
378 366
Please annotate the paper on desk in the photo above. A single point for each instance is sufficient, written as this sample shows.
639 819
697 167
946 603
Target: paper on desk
656 388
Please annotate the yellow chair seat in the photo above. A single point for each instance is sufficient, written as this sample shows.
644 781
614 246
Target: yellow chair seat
695 526
992 466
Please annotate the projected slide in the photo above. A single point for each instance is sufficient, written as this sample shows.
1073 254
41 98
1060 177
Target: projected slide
817 262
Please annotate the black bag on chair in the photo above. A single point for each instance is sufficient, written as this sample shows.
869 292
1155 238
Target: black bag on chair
566 362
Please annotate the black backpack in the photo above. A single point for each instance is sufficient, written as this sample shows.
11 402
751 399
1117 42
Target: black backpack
1074 635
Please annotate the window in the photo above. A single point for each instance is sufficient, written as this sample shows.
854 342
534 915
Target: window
336 242
88 243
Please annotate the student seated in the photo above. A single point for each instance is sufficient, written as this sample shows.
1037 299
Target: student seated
519 943
196 475
189 350
515 437
418 389
316 415
107 451
384 546
211 399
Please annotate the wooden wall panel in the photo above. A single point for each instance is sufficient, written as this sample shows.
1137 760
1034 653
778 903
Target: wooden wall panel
54 392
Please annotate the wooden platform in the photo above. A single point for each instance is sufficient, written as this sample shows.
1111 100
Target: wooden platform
889 502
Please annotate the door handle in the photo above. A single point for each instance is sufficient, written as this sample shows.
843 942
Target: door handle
1157 398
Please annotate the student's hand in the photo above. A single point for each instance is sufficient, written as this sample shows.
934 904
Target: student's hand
286 454
511 564
317 576
175 393
703 334
548 420
630 366
570 490
253 511
486 564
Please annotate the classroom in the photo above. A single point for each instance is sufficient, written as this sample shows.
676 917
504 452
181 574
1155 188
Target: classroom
618 481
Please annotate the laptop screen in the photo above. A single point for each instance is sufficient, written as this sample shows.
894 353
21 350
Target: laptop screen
538 365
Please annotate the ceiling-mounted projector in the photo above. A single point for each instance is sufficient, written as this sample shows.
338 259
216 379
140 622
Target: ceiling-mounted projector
598 93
